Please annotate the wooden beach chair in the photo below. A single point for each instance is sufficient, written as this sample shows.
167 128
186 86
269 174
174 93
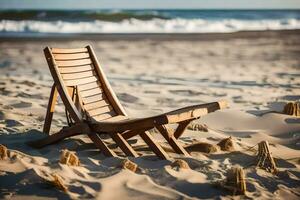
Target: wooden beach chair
92 107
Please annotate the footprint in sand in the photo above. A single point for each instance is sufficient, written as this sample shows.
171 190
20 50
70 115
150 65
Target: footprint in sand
22 104
5 63
186 92
12 123
2 116
26 95
4 91
28 83
127 98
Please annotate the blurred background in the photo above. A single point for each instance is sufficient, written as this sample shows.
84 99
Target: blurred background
40 18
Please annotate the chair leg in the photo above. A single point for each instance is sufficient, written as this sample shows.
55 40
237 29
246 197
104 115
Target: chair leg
50 109
156 148
131 133
62 134
101 145
123 144
172 140
181 128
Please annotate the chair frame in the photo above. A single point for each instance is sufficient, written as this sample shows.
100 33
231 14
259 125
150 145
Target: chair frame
119 130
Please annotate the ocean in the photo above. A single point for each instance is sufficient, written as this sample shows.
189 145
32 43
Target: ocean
50 22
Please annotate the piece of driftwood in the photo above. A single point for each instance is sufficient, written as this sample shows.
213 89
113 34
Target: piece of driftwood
127 164
226 144
180 164
264 157
69 158
3 152
292 108
235 181
93 108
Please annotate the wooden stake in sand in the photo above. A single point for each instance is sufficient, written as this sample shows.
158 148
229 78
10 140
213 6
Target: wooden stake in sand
3 152
292 108
264 157
127 164
235 181
69 158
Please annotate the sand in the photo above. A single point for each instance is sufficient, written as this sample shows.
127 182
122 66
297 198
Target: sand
257 73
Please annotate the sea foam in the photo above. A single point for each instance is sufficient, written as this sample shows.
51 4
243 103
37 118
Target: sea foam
177 25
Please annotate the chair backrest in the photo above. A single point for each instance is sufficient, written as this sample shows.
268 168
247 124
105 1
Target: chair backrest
77 73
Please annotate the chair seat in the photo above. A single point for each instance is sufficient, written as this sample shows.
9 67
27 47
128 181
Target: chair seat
123 123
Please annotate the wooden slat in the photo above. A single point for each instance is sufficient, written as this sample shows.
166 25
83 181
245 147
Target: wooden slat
172 140
89 86
78 50
101 110
154 146
78 75
117 118
70 106
181 127
81 81
94 98
64 70
105 116
77 129
74 56
101 145
91 92
97 104
131 133
66 63
50 109
123 144
106 86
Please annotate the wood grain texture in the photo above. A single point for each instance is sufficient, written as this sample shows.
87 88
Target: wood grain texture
95 105
66 51
79 75
72 63
173 142
123 144
50 109
71 56
81 81
101 145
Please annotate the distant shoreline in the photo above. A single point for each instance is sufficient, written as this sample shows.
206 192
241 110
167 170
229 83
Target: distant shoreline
155 36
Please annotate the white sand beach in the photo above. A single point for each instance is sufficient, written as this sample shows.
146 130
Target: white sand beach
257 73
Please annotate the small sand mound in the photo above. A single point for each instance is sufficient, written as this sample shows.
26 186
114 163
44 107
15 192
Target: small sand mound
127 164
3 152
58 182
235 181
226 144
180 164
198 127
202 147
292 108
69 158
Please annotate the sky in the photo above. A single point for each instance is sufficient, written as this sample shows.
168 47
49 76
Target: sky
148 4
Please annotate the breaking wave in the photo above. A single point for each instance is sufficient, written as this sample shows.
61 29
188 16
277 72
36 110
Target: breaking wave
155 25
